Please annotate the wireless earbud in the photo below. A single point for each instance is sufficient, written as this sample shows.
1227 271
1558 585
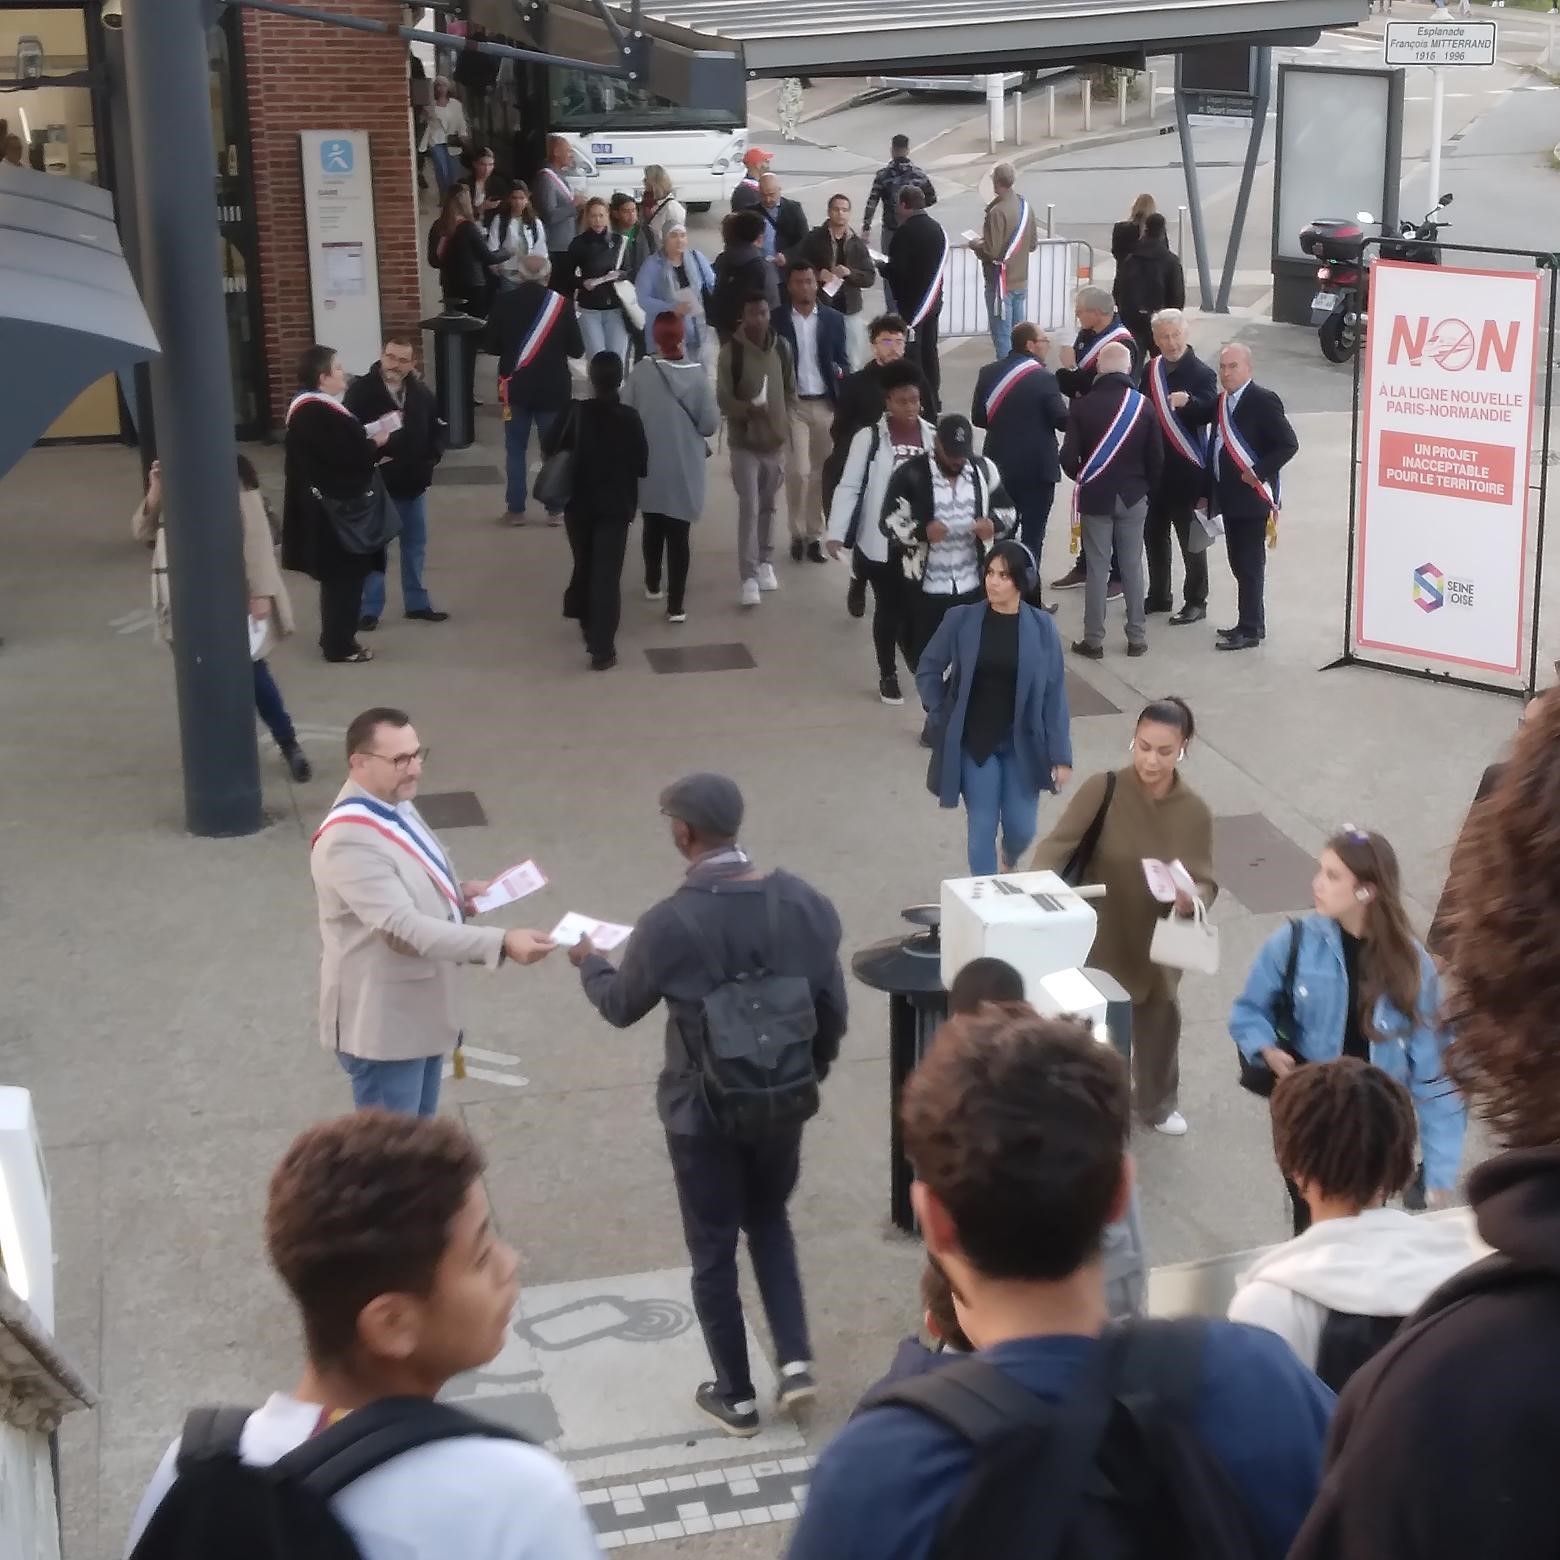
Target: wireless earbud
1363 895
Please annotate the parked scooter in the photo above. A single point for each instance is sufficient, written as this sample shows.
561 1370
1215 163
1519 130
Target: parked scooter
1341 304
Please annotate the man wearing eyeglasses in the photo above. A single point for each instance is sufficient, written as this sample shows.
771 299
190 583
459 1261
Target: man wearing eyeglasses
393 925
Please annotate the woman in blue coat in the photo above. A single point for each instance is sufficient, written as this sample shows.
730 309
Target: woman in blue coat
676 280
1363 986
993 683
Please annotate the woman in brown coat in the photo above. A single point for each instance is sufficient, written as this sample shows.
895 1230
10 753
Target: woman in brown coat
269 604
1152 814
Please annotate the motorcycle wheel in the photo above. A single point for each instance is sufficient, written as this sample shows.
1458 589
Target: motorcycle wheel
1338 342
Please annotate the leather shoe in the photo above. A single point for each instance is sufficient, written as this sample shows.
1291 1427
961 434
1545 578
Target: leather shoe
1158 606
1141 648
1087 651
1188 614
1238 642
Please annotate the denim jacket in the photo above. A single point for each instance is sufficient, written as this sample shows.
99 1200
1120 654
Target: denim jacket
1410 1051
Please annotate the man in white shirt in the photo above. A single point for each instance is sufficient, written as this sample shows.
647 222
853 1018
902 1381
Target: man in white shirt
819 348
379 1227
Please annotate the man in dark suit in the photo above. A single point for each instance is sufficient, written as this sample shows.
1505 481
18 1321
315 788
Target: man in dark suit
785 223
817 339
1252 442
1114 452
1019 405
1183 391
534 337
917 268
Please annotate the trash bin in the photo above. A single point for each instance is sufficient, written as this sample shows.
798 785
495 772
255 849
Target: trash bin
455 335
909 969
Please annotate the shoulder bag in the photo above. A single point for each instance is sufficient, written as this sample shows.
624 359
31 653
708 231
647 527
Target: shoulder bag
682 406
623 291
1078 863
364 523
554 481
1256 1077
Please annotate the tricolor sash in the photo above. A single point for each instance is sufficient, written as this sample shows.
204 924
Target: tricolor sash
934 291
1240 452
559 180
1012 248
1190 445
1106 451
542 326
315 395
400 830
1117 332
999 391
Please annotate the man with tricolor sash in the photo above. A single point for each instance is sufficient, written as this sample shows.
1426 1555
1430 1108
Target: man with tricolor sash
1099 327
1182 390
1114 454
1252 441
393 925
535 332
917 273
1018 404
1008 235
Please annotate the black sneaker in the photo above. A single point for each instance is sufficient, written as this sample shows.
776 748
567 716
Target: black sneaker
798 549
1087 651
734 1418
888 690
815 553
602 663
428 615
856 598
298 765
1072 580
797 1387
367 623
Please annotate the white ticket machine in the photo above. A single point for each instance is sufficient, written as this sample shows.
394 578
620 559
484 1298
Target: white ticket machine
26 1232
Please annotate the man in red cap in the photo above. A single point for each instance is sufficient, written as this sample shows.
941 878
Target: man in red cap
756 163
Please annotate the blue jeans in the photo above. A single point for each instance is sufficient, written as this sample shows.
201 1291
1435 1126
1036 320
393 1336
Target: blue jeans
1004 317
445 169
268 701
517 439
412 1088
414 548
604 330
994 793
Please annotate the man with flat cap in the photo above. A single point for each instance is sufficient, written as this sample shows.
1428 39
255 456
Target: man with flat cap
747 963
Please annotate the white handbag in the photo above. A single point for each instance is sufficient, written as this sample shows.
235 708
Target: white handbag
1189 942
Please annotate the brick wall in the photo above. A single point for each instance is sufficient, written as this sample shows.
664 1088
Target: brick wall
306 76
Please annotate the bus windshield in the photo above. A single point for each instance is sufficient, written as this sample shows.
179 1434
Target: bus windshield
585 101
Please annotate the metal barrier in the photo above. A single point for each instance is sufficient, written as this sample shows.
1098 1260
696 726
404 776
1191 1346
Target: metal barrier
1058 267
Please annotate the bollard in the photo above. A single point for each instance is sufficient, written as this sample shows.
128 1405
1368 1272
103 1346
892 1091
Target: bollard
1180 230
1050 219
1121 100
1018 117
1153 96
1088 115
1050 113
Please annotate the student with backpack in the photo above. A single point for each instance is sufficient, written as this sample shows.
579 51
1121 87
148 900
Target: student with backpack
1343 1134
379 1227
1063 1435
748 965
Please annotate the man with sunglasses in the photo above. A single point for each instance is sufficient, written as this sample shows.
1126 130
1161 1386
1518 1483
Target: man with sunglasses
393 925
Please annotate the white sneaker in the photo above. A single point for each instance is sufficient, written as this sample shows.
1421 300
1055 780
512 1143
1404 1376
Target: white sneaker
654 595
676 617
766 577
1174 1125
750 596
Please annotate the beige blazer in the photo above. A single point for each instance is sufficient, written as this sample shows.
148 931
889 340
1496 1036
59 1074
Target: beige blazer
389 946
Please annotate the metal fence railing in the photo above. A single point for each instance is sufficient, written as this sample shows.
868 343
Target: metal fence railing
1057 269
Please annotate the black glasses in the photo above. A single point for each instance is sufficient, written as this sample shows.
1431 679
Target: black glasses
400 761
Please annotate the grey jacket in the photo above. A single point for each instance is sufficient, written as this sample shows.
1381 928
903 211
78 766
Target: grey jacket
663 962
676 403
560 216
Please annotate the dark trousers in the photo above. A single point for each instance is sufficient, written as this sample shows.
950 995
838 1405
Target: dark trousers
341 603
560 270
664 534
594 597
268 702
727 1187
922 350
1033 502
924 617
1163 516
887 580
1245 541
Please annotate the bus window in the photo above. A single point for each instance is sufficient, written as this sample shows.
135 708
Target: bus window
584 101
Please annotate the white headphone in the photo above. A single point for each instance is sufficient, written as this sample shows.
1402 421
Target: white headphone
1132 748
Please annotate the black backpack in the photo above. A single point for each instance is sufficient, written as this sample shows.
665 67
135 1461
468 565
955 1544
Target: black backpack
734 285
221 1508
1348 1340
1114 1472
756 1053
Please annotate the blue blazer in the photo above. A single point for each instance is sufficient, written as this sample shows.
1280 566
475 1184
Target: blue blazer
657 288
1411 1049
1041 737
833 355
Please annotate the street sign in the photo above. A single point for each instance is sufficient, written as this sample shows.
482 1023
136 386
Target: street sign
1440 43
1221 105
